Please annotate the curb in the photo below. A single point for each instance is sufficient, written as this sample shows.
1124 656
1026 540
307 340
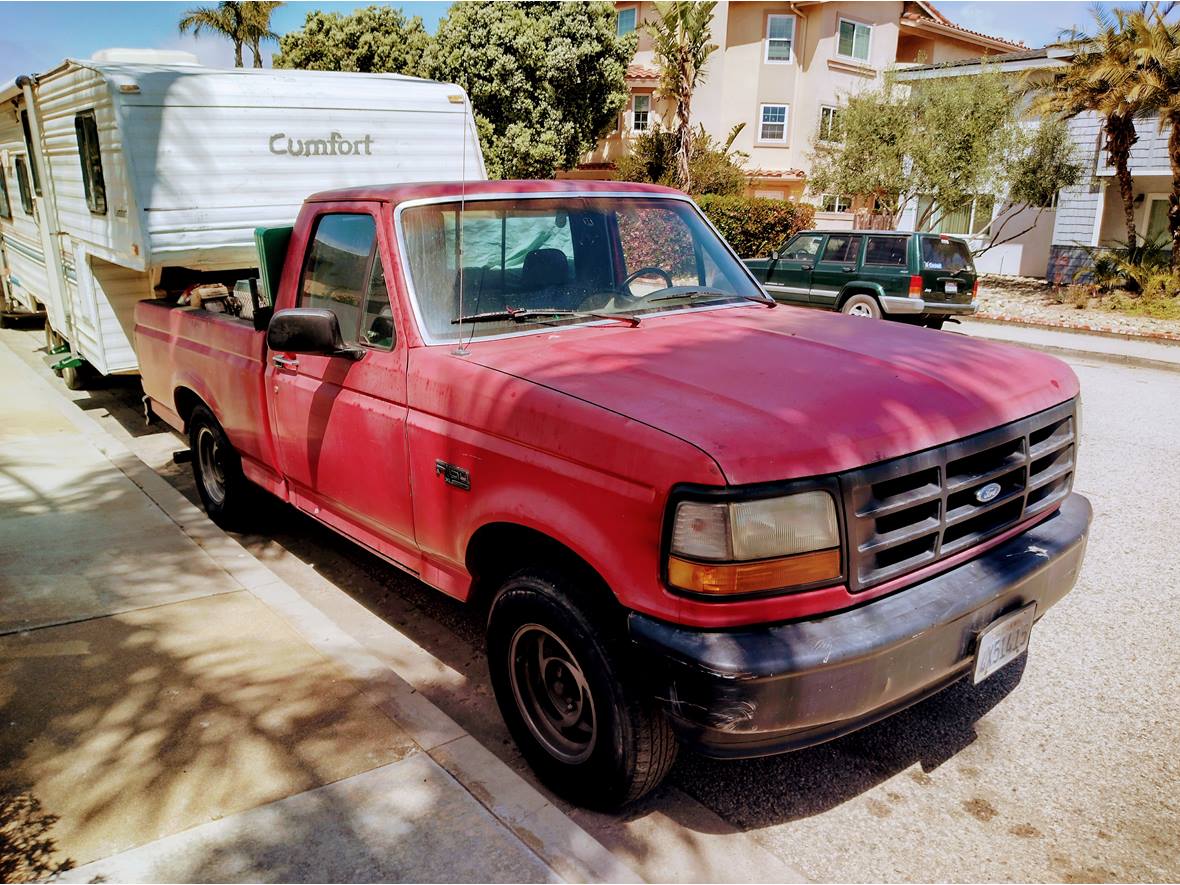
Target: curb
1076 330
557 840
1118 359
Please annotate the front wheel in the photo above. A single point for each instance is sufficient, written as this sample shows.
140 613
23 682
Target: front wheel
861 305
217 470
572 706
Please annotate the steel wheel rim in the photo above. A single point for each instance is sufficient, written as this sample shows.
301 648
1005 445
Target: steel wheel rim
860 310
211 459
552 693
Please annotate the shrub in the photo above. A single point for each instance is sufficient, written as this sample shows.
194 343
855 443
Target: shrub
716 167
755 226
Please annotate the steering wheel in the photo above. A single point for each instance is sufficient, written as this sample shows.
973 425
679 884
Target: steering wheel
643 272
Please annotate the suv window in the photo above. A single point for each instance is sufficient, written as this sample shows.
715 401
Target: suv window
886 251
337 272
803 248
842 248
948 255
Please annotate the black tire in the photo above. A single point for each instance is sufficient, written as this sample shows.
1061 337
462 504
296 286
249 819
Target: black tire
217 471
861 304
624 747
935 322
75 377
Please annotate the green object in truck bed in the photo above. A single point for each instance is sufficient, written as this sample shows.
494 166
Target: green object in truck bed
272 245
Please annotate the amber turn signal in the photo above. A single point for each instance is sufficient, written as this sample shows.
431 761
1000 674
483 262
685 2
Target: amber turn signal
722 579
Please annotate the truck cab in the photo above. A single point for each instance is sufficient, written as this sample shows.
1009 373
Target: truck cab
692 516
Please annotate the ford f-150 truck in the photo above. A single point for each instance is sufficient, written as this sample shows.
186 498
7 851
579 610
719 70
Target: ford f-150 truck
691 516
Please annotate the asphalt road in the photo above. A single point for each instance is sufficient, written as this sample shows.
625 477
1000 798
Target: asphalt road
1063 767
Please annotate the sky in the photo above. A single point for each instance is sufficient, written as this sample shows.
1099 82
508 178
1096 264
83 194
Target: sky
35 36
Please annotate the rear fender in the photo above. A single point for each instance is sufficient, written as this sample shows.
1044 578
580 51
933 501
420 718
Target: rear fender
859 287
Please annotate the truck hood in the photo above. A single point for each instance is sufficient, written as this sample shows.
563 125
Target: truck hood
789 392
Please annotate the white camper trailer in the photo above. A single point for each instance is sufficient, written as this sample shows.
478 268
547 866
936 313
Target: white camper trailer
140 169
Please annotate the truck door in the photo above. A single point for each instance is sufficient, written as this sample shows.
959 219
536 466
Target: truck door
340 424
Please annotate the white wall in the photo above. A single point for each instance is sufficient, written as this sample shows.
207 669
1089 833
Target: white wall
1025 256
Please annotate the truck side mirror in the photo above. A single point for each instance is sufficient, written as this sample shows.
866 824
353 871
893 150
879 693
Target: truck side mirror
309 330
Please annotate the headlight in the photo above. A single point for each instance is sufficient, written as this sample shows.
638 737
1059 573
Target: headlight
752 546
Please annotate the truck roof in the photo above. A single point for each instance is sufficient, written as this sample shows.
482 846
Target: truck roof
400 193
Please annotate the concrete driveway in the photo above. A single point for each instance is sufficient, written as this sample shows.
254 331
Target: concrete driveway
1063 767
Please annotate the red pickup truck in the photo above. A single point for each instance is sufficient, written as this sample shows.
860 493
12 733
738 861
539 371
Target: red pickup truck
691 516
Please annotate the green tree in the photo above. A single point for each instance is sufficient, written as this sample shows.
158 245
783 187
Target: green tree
713 168
1156 52
226 18
375 39
680 40
256 25
546 79
939 144
1102 77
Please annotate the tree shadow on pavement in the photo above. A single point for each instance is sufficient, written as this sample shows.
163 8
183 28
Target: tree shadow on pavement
27 849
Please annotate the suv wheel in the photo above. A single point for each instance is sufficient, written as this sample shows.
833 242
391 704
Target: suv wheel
861 305
217 470
566 696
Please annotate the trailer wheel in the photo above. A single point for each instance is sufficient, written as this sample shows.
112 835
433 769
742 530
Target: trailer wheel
573 706
217 471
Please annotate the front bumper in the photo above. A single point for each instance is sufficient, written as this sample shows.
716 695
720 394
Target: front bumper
763 690
899 304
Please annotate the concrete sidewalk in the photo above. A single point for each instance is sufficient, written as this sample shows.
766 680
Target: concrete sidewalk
171 710
1124 349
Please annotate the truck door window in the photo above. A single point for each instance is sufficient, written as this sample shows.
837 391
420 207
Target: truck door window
886 251
377 327
336 275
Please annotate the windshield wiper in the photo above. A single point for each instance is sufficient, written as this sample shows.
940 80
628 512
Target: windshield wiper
715 293
523 314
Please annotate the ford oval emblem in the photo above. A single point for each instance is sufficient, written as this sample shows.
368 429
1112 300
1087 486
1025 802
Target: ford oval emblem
987 493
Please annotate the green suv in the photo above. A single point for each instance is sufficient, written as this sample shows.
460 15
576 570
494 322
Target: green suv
916 277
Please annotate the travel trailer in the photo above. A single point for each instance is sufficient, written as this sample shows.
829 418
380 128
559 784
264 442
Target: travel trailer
138 173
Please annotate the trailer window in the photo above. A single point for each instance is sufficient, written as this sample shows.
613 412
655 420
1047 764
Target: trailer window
5 205
337 273
22 185
90 156
24 125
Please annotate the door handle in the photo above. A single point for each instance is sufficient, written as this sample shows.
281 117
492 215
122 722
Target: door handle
804 266
847 267
286 362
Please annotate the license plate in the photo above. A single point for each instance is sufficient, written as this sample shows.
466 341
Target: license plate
952 288
1003 641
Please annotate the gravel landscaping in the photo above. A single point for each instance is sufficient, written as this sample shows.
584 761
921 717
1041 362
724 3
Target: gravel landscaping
1033 301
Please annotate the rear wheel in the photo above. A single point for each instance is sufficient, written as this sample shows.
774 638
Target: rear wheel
861 305
571 704
217 470
935 322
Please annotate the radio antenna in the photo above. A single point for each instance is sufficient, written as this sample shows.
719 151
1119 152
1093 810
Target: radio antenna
461 349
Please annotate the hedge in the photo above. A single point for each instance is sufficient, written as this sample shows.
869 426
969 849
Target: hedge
755 226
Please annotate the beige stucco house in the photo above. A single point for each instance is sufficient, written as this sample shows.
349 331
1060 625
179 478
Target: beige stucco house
782 68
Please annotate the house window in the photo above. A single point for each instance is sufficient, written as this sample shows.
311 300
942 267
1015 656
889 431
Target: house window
94 185
640 113
32 154
853 40
1156 223
835 203
972 217
828 123
22 185
5 205
780 38
625 23
774 123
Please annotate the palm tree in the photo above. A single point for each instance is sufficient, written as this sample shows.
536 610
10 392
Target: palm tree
226 18
1157 53
1102 77
256 18
680 37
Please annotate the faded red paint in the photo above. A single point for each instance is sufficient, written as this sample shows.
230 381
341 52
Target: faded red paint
579 432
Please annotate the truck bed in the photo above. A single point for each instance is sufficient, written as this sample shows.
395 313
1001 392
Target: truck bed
188 354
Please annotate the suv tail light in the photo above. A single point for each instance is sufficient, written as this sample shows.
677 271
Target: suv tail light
915 287
975 289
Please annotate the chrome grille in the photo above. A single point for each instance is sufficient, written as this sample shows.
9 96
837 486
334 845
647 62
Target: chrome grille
909 512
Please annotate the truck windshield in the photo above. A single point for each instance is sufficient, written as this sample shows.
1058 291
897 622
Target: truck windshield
948 255
574 255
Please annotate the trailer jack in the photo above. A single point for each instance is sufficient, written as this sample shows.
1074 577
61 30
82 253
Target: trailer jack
70 362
